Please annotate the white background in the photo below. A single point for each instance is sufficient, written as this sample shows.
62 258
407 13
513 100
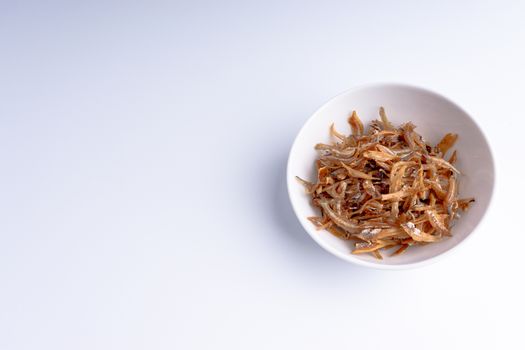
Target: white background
142 189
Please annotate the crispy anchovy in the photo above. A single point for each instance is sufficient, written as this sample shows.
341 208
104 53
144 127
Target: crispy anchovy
338 220
401 250
380 156
356 173
335 133
309 187
447 142
436 221
370 189
444 164
366 247
355 124
386 150
386 123
396 196
453 157
464 204
418 235
337 190
407 135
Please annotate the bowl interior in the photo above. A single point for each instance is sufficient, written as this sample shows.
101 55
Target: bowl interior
433 116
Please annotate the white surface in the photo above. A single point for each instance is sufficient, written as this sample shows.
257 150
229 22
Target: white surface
142 195
434 116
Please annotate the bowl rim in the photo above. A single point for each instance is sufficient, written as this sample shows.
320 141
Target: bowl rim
370 264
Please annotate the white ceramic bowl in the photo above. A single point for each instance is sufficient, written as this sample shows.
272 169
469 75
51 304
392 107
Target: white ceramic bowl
434 115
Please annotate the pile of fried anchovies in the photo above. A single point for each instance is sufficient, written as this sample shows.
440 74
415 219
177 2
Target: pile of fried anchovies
386 187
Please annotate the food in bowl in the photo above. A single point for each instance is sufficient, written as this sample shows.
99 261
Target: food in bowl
386 187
